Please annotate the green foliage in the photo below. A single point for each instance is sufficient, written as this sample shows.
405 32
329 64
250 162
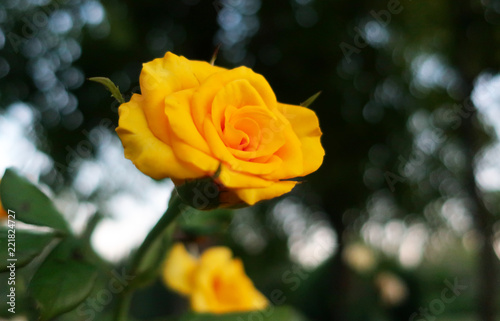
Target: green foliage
370 99
30 204
62 282
205 223
29 244
64 278
106 82
23 301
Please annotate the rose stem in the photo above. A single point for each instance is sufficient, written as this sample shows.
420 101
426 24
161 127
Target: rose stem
173 211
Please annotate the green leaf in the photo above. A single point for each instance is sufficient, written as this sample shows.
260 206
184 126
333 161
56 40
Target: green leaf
310 100
23 303
62 282
283 313
29 203
106 82
206 223
28 245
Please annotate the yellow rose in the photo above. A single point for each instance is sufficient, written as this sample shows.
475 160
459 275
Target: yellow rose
215 283
192 117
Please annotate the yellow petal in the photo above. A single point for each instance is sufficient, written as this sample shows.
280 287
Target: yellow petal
254 195
178 270
160 78
249 298
290 153
178 112
211 263
265 137
306 125
221 152
164 76
196 158
217 146
202 69
216 256
205 94
222 286
234 179
149 154
237 93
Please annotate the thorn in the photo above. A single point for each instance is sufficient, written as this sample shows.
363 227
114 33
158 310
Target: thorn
214 56
310 100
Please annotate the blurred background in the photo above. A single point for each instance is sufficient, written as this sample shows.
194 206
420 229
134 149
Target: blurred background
401 221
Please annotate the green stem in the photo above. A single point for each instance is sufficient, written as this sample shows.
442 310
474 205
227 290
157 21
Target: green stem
123 306
173 211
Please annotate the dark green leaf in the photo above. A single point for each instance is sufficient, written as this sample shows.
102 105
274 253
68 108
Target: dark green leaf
28 245
9 289
110 86
284 313
62 282
29 203
205 223
310 100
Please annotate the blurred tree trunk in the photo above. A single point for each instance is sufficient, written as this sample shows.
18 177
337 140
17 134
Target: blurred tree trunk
340 274
470 57
483 219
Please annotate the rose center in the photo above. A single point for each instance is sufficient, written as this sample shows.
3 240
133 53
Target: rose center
243 134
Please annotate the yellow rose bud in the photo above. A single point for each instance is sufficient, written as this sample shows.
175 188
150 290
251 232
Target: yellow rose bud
179 269
215 283
192 117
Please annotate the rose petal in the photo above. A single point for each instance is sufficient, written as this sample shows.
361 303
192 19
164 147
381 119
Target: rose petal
234 179
178 112
149 154
167 75
253 195
202 69
236 94
205 94
222 286
195 157
306 125
159 78
291 155
216 256
220 151
179 268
